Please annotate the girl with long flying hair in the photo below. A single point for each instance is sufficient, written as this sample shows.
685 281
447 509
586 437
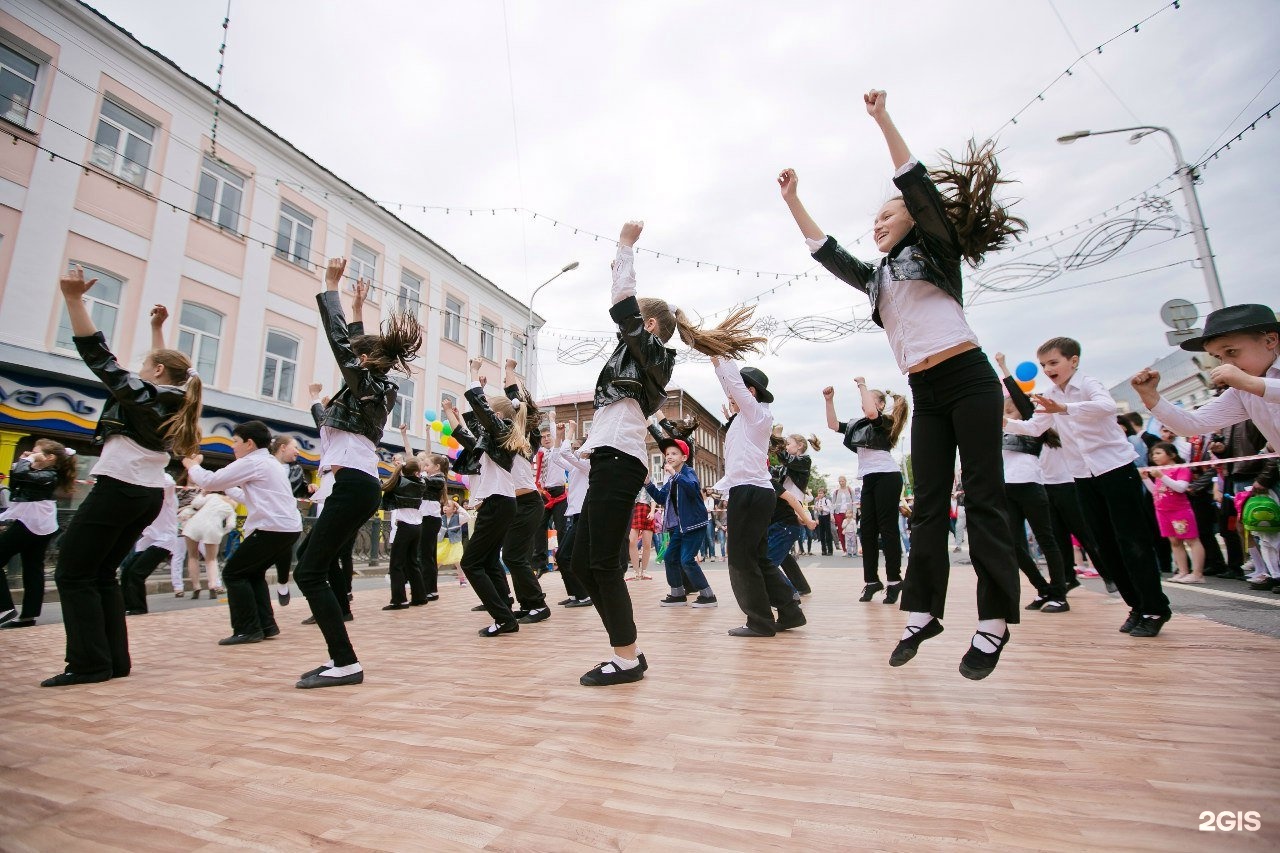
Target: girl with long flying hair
39 477
941 220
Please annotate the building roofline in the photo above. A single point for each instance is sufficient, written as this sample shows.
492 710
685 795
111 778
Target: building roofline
101 18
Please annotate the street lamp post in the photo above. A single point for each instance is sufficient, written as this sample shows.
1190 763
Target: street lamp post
530 340
1186 180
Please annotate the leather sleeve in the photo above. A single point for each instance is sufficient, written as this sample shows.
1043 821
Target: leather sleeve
843 265
317 413
464 437
1020 399
656 433
498 428
126 387
924 203
23 475
649 352
335 328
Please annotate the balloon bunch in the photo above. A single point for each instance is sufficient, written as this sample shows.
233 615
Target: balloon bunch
451 445
1025 374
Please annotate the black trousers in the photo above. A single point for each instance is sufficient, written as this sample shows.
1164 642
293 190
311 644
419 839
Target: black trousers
1068 521
1235 545
480 557
427 553
564 558
31 547
135 570
1206 513
517 550
959 407
758 585
1114 510
100 535
551 518
878 527
601 539
1029 504
795 574
245 577
354 500
283 564
404 564
825 539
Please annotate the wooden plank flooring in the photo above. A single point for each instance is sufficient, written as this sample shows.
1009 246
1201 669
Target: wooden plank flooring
1082 739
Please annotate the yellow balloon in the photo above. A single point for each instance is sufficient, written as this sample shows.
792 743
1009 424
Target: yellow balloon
437 426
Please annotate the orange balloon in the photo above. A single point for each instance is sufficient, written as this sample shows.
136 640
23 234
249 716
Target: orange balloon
1026 386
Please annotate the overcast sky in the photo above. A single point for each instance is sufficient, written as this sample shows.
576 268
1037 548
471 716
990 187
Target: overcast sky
682 114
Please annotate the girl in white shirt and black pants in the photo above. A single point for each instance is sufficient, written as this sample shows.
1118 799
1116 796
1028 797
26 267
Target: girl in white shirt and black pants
916 295
630 388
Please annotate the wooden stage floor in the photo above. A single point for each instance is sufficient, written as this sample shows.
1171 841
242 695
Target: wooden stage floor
1082 739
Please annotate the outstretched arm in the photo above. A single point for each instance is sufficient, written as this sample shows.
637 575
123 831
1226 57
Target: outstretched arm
875 101
357 304
870 406
404 439
158 315
788 182
74 287
829 395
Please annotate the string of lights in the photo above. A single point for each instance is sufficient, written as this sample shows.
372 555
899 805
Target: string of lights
1226 146
217 92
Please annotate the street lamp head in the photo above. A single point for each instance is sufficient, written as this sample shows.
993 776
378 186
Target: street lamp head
569 266
1137 137
1072 137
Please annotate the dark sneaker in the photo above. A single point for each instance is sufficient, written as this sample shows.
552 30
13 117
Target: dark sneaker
1149 626
674 601
705 601
283 597
891 593
241 639
1132 622
870 590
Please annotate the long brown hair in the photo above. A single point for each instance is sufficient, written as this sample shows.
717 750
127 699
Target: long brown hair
409 468
898 417
182 431
64 464
732 338
394 348
968 186
518 440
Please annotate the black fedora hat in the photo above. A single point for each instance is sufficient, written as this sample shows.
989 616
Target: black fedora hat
755 377
1234 318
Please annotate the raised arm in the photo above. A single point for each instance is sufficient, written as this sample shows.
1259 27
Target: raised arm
404 440
870 405
876 101
318 403
357 306
1019 397
335 325
74 288
788 183
158 315
736 389
829 397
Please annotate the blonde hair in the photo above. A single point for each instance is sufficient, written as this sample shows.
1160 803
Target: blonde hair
732 338
518 439
805 443
898 417
182 430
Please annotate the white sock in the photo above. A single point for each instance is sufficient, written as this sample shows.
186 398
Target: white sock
339 671
677 592
283 589
619 664
915 620
991 626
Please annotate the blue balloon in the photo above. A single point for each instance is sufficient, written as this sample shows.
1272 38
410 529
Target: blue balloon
1026 371
431 415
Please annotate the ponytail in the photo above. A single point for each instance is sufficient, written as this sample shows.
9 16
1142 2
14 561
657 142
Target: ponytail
1052 438
968 186
815 442
182 430
395 348
898 418
732 338
517 440
65 465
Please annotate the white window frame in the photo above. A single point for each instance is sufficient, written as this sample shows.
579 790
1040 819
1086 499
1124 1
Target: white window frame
105 314
586 428
488 339
114 160
403 402
410 296
358 268
453 319
656 461
293 216
26 120
279 360
198 338
519 352
216 208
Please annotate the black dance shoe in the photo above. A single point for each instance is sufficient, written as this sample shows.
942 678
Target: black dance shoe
869 591
318 680
891 593
906 649
977 664
496 629
67 679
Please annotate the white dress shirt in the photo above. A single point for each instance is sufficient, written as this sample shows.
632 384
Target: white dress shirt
265 486
342 449
552 471
522 473
1232 407
1055 466
579 471
1093 440
1021 467
125 460
621 424
163 532
746 447
919 318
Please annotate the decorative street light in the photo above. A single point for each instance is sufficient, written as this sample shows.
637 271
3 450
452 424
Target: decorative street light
531 340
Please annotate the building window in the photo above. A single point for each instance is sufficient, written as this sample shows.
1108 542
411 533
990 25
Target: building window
586 428
410 298
280 366
452 398
518 353
363 264
122 144
104 304
293 236
453 319
402 409
221 193
17 85
199 333
486 339
656 462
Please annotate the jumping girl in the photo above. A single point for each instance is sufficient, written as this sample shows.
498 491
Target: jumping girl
351 425
872 437
149 414
42 474
916 296
630 388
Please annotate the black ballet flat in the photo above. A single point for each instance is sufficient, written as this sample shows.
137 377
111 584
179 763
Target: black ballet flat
906 649
318 680
67 679
977 664
497 629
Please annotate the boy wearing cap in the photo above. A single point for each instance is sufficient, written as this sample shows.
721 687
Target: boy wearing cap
685 520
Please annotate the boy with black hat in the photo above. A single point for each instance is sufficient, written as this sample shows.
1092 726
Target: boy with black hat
685 519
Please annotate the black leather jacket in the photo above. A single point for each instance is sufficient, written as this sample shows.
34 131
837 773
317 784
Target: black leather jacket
28 484
137 408
434 486
1031 444
490 431
671 429
930 251
798 468
865 432
468 458
297 480
640 366
363 403
406 493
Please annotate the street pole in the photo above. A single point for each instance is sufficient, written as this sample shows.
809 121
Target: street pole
530 339
1187 182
